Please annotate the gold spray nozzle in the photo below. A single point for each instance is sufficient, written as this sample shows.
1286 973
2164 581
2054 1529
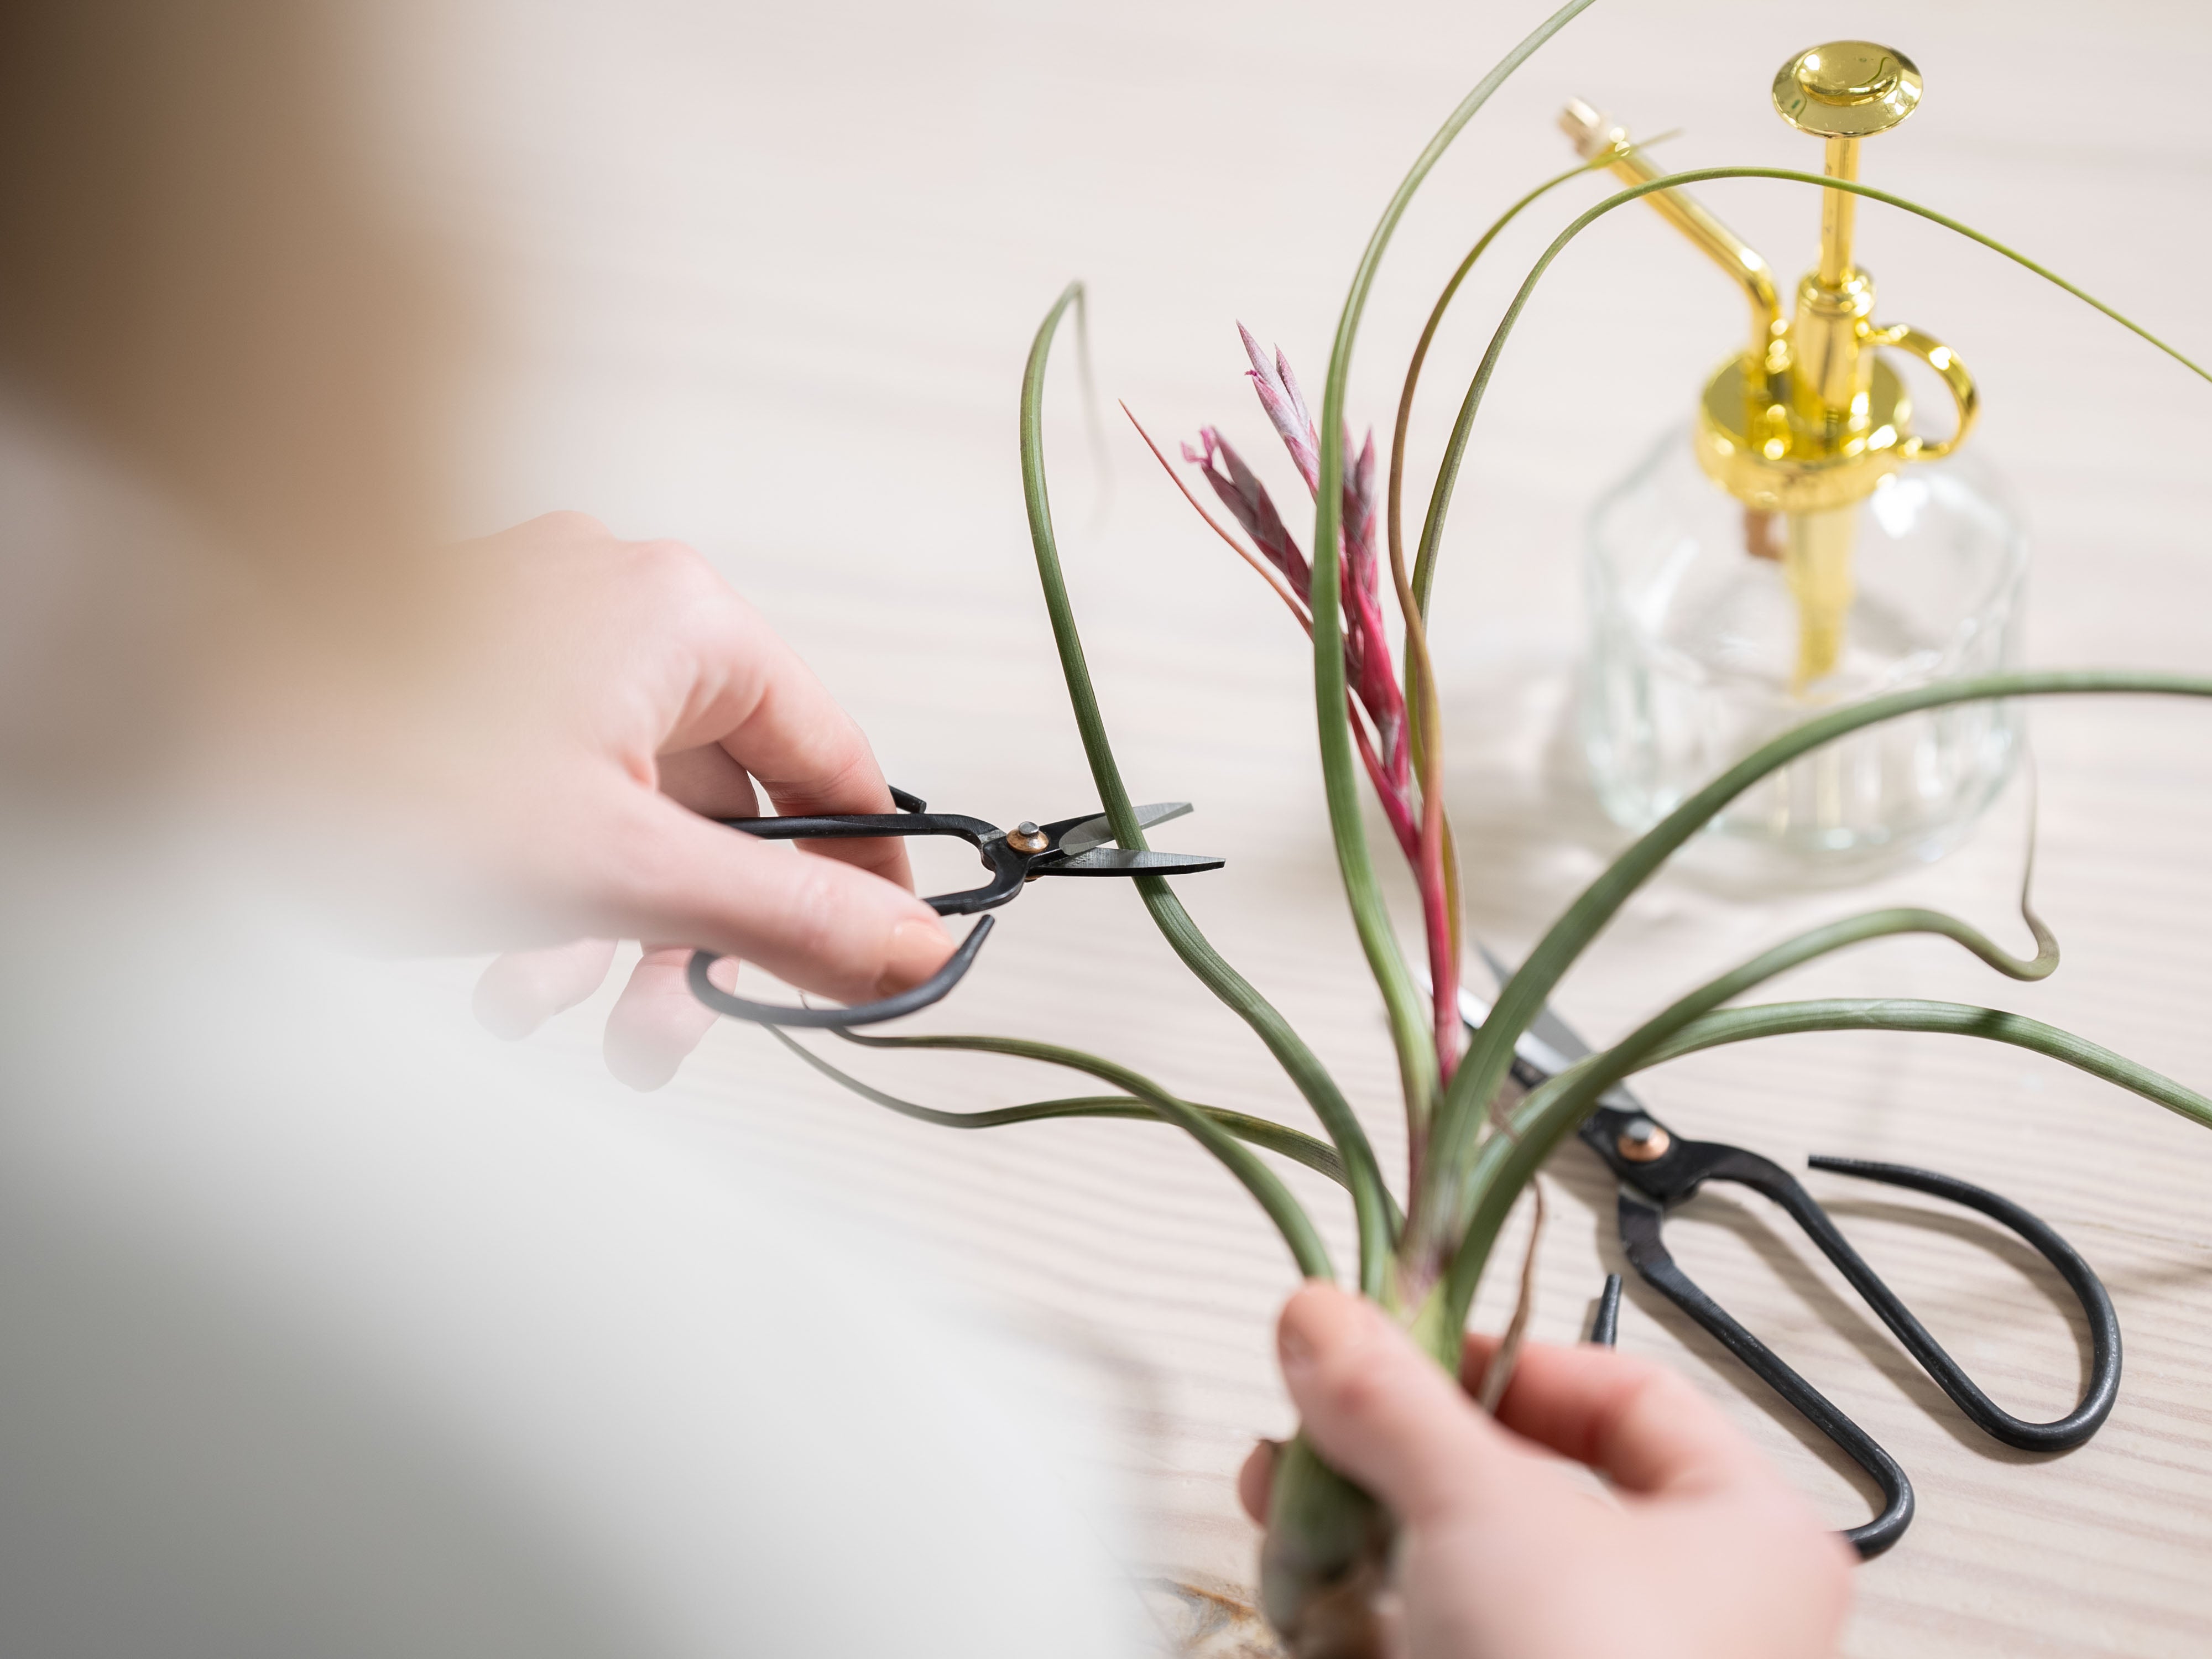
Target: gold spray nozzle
1593 135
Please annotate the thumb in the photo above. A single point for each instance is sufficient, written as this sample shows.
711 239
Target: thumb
817 923
1380 1410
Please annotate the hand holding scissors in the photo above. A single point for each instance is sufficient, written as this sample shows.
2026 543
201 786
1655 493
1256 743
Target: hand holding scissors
1071 847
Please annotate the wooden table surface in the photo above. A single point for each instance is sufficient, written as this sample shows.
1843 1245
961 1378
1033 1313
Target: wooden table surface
771 273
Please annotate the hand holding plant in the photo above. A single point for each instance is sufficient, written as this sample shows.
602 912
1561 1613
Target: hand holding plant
1709 1553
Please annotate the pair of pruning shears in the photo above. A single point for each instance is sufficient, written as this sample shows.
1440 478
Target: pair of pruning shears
1659 1169
1072 847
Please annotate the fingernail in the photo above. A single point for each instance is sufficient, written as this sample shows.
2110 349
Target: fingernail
917 949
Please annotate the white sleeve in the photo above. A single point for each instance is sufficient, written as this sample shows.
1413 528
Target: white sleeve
321 1335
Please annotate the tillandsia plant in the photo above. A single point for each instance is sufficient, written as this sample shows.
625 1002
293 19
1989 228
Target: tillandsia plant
1423 1251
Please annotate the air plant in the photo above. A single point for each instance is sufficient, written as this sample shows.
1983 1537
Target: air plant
1327 1552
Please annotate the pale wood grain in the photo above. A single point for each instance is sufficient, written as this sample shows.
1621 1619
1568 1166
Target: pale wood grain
774 272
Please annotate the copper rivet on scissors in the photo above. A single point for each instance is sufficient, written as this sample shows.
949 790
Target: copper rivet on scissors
1643 1141
1026 837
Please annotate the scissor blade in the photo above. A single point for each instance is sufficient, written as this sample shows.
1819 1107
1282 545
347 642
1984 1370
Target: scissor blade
1549 1045
1547 1028
1531 1049
1097 832
1124 861
1557 1034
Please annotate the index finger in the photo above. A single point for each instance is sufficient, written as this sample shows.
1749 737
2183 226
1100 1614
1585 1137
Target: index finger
752 695
1638 1424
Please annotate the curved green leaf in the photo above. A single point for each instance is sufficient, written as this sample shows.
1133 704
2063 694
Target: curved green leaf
1728 1026
1316 1155
1263 1183
1552 1113
1452 1145
1372 1205
1424 575
1410 1030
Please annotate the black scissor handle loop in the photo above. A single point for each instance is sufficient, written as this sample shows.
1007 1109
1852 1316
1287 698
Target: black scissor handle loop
2095 1405
1009 867
1691 1164
866 1013
1641 1220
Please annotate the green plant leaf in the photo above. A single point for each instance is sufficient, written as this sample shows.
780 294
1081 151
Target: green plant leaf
1410 1030
1316 1155
1556 1110
1424 575
1420 675
1771 1019
1484 1212
1263 1183
1441 1202
1372 1205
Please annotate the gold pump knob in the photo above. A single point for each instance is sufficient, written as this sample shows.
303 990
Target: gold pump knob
1847 89
1843 92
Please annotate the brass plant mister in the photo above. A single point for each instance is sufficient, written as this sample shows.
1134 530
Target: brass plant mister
1809 420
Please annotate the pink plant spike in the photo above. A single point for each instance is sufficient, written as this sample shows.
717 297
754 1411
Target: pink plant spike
1370 670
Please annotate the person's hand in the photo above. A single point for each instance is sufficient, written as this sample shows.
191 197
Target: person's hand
549 774
1706 1554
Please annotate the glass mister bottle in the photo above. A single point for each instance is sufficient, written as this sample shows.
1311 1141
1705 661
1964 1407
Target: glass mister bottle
1798 545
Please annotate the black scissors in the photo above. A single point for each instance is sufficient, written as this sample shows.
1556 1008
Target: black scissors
1659 1169
1015 857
